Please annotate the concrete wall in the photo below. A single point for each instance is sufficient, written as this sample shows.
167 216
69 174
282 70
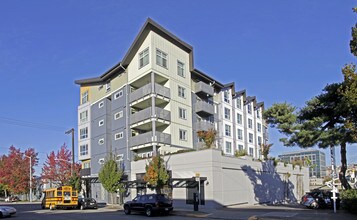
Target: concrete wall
232 181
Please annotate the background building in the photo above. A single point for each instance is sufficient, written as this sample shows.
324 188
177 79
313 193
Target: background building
154 101
316 157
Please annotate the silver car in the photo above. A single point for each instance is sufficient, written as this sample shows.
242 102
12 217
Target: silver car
6 211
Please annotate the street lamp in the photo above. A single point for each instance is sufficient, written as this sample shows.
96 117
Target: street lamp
72 165
30 177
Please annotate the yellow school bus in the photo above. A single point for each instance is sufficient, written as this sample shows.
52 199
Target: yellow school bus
61 197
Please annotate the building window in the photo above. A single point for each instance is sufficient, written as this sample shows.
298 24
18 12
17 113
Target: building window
250 138
240 147
239 103
227 113
83 116
101 141
258 113
85 165
161 58
118 94
144 58
228 147
250 123
251 151
83 150
259 127
259 140
118 115
182 113
101 123
101 161
101 104
228 130
180 69
118 136
83 133
183 135
181 92
85 97
240 134
226 96
107 87
119 157
249 107
239 119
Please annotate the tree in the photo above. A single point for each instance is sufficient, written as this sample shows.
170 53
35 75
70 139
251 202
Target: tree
15 170
208 137
110 176
156 174
265 150
57 167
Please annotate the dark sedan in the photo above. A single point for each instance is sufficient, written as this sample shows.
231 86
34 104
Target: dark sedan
149 204
319 199
87 203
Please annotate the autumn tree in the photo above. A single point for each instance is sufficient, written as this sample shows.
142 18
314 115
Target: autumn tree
110 175
208 137
156 174
15 170
57 167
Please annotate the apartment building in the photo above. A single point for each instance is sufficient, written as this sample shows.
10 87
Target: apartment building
316 158
154 101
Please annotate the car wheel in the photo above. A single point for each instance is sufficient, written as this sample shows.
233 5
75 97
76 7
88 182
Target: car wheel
127 210
1 215
315 205
148 211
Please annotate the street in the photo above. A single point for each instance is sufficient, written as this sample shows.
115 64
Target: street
26 211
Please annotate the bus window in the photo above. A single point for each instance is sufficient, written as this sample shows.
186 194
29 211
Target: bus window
67 193
59 193
74 193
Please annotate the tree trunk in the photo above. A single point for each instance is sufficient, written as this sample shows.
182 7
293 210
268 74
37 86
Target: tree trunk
342 173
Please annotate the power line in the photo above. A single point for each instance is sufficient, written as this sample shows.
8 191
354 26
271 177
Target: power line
38 125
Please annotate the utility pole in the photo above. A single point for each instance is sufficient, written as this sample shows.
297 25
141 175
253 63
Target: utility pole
30 177
72 165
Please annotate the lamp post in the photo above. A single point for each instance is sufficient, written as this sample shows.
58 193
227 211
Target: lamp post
72 165
30 177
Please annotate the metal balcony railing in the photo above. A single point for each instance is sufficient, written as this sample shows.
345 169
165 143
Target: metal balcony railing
147 114
147 90
147 138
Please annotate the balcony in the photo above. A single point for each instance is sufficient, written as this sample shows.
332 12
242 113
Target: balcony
142 119
204 125
204 108
145 91
202 88
146 139
85 172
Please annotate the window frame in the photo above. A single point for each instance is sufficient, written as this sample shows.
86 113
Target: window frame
118 115
85 151
85 97
183 135
161 58
183 113
228 144
119 135
227 130
142 56
181 69
181 92
227 113
239 134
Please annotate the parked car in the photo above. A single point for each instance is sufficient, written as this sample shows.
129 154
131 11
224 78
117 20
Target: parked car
150 204
7 211
12 199
87 203
320 199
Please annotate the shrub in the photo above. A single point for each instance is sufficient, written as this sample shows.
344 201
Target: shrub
349 198
240 153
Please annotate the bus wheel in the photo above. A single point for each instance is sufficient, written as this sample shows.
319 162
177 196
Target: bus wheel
52 207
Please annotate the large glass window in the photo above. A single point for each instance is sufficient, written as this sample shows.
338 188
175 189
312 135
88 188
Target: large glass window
251 151
227 113
161 58
83 133
182 113
226 96
239 119
250 138
240 134
181 92
239 103
250 123
228 130
249 107
84 97
183 135
83 116
259 127
83 149
144 58
180 69
228 147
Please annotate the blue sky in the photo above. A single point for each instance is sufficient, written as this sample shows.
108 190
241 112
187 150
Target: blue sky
277 50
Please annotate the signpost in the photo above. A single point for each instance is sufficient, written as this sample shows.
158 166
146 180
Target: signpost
199 187
334 189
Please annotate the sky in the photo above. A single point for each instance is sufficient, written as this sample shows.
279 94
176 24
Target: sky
278 50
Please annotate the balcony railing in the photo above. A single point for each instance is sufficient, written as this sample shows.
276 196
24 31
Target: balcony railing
147 114
85 172
148 138
204 125
146 90
202 87
204 107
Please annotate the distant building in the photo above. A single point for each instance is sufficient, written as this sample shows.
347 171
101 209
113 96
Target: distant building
317 158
